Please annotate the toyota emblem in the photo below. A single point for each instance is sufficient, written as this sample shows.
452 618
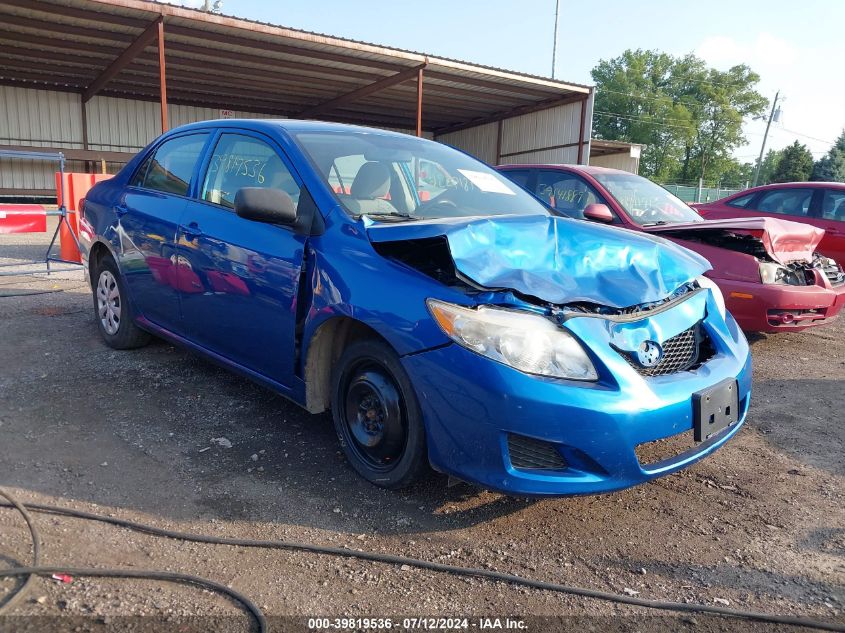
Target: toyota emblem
649 354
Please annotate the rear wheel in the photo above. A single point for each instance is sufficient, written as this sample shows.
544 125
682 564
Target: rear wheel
112 311
377 417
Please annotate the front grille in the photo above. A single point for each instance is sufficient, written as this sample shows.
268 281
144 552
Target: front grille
683 351
529 454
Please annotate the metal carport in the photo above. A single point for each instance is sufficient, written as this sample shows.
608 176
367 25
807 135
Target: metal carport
107 53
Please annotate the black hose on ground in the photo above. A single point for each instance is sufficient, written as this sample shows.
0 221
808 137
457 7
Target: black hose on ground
35 537
143 574
393 559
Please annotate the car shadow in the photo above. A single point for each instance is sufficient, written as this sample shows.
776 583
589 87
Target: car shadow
162 431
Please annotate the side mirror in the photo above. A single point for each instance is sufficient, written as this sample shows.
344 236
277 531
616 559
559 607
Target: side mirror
261 204
598 212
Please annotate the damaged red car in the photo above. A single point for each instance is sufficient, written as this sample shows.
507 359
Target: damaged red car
768 269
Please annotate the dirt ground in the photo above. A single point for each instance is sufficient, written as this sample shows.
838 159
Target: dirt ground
759 525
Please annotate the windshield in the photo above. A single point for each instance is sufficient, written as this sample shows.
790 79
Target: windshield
400 178
645 202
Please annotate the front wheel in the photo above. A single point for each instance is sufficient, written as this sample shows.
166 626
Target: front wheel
377 417
112 311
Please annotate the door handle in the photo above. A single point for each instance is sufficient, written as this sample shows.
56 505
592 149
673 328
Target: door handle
121 210
191 231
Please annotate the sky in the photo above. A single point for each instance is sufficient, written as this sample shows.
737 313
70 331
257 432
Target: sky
796 47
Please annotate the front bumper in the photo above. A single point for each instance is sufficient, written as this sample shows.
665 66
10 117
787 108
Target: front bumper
471 405
759 307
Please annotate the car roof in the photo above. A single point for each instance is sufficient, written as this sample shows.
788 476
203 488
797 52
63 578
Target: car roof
586 169
289 125
787 185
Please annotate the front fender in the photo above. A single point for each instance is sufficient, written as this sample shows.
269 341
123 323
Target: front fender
345 277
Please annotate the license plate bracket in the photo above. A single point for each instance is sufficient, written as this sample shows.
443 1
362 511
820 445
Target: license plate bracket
715 409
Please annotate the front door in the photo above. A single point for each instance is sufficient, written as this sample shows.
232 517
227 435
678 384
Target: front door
245 273
148 214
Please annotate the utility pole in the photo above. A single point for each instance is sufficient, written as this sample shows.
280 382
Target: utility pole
554 44
765 136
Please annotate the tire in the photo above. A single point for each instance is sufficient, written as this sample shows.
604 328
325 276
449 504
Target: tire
112 311
377 416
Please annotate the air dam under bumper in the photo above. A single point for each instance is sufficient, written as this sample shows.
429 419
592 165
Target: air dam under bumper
781 308
471 404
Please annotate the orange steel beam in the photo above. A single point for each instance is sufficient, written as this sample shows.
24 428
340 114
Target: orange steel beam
419 100
162 76
581 132
126 57
362 92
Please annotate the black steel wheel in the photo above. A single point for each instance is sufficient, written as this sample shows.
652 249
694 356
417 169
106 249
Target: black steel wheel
377 417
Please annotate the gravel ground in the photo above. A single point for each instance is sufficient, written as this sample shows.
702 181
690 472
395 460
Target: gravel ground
759 525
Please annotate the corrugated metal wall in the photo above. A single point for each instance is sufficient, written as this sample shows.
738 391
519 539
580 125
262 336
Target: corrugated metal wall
480 141
529 138
37 117
54 119
617 161
46 118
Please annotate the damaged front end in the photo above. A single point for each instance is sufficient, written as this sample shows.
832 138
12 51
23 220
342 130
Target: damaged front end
785 250
574 344
772 277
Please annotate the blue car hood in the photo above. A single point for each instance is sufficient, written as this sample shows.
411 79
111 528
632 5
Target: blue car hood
556 259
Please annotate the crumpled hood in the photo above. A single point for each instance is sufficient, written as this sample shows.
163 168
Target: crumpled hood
784 241
556 259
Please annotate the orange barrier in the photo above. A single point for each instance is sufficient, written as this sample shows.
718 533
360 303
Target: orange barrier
75 187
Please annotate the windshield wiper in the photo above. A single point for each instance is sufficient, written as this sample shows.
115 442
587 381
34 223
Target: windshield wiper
658 223
404 216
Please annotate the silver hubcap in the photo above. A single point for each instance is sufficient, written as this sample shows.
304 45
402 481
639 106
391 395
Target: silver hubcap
108 302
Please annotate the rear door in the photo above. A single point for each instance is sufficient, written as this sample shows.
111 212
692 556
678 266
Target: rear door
148 214
244 308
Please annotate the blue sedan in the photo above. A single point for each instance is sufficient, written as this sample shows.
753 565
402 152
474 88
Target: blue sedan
447 318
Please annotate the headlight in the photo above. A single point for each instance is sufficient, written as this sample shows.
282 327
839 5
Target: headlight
771 273
705 282
527 342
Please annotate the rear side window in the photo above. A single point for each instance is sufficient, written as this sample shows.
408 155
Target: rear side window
519 176
833 205
742 202
795 202
169 170
244 161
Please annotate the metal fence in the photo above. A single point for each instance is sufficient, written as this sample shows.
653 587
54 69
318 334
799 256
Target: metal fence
690 193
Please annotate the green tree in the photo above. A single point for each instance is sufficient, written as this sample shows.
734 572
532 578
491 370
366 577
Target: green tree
831 166
689 116
769 165
795 165
735 175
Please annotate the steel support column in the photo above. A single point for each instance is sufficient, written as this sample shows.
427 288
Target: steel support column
162 77
419 101
581 132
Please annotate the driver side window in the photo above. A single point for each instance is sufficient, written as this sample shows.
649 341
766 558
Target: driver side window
244 161
566 192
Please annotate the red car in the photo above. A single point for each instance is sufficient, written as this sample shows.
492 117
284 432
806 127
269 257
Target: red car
820 204
768 269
